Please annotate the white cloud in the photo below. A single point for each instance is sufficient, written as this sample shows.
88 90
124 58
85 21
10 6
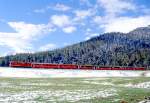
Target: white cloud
114 21
60 20
61 7
49 46
69 29
20 41
121 24
126 24
114 7
27 31
64 22
15 42
57 7
82 14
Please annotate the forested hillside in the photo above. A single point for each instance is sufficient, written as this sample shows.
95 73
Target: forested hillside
109 49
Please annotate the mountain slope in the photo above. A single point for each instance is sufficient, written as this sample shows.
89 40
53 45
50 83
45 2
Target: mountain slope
109 49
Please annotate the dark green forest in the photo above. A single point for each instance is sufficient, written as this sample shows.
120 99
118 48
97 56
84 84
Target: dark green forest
108 49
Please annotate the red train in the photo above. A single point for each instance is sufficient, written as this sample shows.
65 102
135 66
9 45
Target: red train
68 66
20 64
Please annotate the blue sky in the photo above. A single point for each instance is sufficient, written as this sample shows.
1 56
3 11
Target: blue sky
39 25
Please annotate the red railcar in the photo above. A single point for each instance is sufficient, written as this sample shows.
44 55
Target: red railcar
120 68
45 65
20 64
54 66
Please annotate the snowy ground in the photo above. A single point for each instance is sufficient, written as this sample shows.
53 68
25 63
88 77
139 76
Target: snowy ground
50 96
43 73
73 86
74 90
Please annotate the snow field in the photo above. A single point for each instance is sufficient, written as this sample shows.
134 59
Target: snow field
75 90
44 73
59 95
